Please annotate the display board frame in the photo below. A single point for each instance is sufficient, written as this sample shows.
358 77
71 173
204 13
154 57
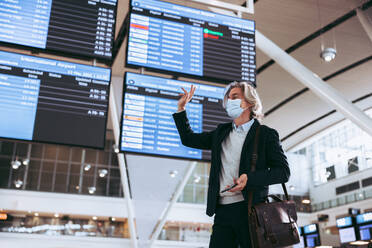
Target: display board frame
102 147
180 74
122 120
67 54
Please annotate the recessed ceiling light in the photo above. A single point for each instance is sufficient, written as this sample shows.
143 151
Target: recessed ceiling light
306 201
328 54
87 167
102 172
16 164
18 183
91 190
115 148
26 161
173 173
36 214
94 218
56 215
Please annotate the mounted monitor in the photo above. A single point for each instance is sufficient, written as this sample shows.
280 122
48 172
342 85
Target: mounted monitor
147 122
78 27
186 41
364 222
52 101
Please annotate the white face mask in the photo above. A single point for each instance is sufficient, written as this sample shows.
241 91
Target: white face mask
233 108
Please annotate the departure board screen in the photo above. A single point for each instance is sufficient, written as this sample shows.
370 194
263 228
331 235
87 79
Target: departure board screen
147 123
169 37
52 101
81 27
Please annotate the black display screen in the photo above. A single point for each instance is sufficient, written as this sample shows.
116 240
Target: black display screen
178 39
79 27
53 101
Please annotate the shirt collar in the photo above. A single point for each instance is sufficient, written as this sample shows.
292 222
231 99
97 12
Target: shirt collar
245 127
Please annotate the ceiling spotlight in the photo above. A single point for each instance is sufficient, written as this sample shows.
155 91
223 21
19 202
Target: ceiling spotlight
113 219
328 54
291 187
197 179
18 183
36 214
87 167
56 215
16 164
91 190
173 173
115 148
328 174
306 201
94 218
26 161
102 172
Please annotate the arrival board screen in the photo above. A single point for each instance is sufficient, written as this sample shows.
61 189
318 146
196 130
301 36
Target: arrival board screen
147 122
53 101
82 27
347 234
180 39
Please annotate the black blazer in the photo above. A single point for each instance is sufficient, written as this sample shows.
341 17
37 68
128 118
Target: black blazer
272 166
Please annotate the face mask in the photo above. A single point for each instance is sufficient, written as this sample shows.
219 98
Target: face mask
233 108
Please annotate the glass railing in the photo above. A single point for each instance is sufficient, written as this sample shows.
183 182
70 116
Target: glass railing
343 200
57 226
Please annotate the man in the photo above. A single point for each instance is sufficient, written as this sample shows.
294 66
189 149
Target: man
232 147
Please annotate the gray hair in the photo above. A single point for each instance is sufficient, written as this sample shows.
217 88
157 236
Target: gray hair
250 95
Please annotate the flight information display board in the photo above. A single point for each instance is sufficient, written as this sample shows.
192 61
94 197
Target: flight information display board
53 101
81 27
147 123
170 37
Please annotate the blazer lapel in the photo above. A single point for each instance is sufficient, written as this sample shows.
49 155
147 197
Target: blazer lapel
248 143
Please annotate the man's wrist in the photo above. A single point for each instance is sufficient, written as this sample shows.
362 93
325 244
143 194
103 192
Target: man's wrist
180 109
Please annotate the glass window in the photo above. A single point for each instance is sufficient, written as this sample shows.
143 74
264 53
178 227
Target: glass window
33 175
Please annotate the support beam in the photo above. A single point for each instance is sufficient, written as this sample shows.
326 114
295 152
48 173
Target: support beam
174 199
123 169
366 24
314 83
248 9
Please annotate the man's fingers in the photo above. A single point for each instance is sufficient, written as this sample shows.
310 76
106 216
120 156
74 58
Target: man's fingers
184 90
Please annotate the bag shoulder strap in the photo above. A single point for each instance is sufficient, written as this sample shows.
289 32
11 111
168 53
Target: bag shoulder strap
253 169
253 165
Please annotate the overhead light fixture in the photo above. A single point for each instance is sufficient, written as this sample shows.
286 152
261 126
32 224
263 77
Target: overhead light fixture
36 214
328 54
291 187
306 201
56 215
16 164
359 242
102 172
87 167
113 219
173 173
94 218
91 190
18 183
197 179
115 148
26 161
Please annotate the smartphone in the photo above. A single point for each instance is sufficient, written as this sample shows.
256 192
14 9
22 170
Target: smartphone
229 188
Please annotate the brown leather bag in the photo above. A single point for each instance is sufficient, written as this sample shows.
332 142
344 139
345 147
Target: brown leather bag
271 224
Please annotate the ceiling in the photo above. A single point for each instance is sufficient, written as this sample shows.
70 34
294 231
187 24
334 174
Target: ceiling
294 111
